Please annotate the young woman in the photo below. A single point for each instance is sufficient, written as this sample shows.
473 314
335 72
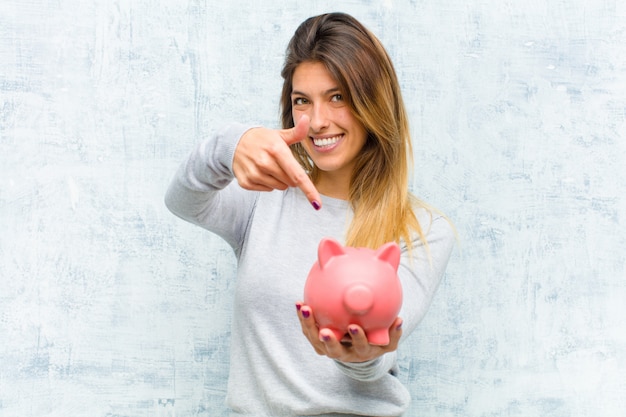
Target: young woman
338 168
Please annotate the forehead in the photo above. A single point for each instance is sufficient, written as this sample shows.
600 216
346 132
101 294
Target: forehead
311 77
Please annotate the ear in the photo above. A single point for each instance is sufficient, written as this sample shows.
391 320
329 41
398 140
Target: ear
390 253
327 249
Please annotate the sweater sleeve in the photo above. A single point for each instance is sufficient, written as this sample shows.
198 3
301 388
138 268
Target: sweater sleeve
420 273
203 192
369 370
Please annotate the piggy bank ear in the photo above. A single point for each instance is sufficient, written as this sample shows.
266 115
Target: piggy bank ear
390 253
327 249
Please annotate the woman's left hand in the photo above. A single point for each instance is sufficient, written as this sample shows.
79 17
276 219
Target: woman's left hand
354 348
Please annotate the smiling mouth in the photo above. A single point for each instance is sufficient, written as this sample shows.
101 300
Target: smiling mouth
326 142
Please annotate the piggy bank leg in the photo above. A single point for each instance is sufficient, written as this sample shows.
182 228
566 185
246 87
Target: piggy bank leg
379 337
338 333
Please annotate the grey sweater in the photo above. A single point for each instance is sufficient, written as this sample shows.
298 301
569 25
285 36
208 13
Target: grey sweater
274 371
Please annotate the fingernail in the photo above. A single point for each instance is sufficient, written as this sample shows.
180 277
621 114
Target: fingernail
399 326
298 306
325 338
306 314
316 205
354 330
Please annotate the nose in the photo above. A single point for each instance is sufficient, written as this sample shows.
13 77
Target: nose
319 117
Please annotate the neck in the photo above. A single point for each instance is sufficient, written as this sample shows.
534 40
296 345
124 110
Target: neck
333 186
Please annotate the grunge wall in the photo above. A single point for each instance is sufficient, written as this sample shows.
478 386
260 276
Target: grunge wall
111 306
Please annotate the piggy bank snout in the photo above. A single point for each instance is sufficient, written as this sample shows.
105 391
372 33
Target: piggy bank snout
358 299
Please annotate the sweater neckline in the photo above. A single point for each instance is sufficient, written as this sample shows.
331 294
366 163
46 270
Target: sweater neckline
334 202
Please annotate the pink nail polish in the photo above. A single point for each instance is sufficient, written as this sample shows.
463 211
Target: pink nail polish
316 205
306 314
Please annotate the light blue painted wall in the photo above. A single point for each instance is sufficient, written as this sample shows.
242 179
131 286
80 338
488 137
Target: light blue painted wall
110 306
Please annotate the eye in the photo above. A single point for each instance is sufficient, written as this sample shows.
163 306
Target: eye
299 101
336 97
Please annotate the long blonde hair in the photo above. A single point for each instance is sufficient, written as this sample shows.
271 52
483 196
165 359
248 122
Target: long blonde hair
379 194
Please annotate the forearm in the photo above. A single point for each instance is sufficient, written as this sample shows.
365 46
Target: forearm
202 190
207 169
422 273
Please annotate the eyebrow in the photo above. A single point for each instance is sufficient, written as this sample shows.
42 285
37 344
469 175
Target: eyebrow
325 93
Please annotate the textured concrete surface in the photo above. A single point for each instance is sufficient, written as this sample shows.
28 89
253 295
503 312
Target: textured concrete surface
109 306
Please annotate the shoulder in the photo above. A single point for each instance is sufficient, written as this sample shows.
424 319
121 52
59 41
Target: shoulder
432 220
437 229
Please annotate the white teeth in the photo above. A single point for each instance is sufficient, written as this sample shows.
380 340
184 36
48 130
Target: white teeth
327 141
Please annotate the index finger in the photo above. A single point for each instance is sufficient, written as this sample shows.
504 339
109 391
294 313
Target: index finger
293 169
301 180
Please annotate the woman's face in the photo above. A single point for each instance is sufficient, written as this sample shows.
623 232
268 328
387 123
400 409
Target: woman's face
335 135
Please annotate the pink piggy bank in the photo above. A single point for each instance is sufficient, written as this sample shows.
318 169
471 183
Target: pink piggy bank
355 286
